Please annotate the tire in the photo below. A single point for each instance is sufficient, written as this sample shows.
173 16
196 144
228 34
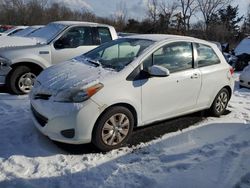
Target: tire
21 80
108 134
220 103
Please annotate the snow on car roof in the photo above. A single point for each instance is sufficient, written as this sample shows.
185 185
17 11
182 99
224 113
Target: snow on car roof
69 23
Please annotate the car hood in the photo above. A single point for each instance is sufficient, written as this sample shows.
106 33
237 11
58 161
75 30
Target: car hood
75 74
8 42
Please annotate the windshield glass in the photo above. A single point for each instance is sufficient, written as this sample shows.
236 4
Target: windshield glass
9 31
25 32
48 32
119 53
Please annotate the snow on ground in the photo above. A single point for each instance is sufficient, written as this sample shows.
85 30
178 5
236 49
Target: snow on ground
213 153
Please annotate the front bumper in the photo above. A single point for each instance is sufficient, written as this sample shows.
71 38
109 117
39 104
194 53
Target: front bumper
244 83
244 80
58 117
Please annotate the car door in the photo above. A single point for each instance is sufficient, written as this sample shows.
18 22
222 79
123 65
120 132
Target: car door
74 42
164 97
213 74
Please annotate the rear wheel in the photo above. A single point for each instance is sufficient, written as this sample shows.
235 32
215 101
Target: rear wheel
220 103
21 80
113 128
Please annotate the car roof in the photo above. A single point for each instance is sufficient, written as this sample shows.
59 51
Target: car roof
161 37
70 23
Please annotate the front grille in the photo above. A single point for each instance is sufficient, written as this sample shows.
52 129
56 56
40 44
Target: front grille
42 96
40 118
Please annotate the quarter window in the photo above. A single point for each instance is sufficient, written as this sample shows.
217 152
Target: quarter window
175 57
206 55
104 34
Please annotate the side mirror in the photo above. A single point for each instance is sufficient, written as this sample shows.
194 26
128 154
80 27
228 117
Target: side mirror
158 71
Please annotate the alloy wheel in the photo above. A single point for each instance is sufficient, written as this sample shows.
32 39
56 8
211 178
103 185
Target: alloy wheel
115 129
26 82
221 102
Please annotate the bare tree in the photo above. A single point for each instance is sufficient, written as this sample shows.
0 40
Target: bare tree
188 9
166 12
121 12
210 7
152 11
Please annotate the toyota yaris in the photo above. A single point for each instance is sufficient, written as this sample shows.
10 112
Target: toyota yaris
101 96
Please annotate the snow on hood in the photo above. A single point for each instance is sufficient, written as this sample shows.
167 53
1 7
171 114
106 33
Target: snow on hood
70 75
7 41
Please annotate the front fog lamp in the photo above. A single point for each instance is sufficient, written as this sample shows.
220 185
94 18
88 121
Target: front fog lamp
86 93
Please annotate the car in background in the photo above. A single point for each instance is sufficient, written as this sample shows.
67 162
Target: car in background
59 41
242 53
4 28
230 58
245 78
27 31
101 96
8 41
13 30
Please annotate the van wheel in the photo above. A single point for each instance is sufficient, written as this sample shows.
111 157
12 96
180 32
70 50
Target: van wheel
220 103
21 80
113 129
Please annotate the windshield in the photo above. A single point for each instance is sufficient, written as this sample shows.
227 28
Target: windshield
118 53
25 32
48 32
9 31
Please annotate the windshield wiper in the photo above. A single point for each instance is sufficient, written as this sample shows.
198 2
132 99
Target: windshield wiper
95 62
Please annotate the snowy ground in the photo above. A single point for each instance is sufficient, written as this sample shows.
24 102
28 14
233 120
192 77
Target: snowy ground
212 153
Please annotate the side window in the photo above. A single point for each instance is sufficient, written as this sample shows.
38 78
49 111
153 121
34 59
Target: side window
75 37
206 55
104 34
175 57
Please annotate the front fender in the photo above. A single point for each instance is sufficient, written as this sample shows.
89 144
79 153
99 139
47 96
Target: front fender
34 59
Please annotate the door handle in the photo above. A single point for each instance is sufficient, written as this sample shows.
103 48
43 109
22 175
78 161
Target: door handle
195 76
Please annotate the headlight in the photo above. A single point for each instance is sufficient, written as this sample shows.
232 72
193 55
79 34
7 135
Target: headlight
79 95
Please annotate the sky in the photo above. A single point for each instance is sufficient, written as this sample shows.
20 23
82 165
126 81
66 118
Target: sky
135 8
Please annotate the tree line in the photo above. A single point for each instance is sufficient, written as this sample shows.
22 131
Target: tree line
215 20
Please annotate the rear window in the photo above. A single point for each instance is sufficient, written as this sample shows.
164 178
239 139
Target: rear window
206 55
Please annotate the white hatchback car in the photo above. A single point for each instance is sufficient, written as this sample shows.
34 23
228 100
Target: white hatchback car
101 96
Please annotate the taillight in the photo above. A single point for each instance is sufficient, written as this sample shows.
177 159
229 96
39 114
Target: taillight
231 71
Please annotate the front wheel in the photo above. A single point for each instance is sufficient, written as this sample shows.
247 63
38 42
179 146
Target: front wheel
21 80
113 129
220 103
